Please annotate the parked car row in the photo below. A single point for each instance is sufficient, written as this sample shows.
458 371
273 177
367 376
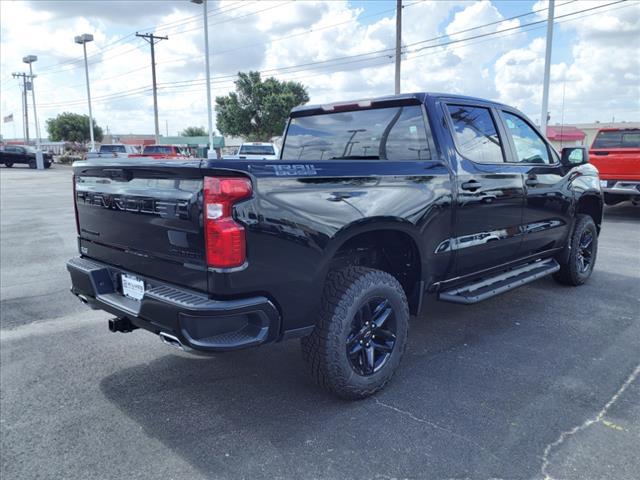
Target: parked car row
118 150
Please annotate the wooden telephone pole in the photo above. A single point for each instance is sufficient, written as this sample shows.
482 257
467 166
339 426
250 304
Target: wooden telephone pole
152 40
25 108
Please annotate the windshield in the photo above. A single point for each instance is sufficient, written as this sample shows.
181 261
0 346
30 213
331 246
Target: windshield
257 150
394 133
112 148
617 139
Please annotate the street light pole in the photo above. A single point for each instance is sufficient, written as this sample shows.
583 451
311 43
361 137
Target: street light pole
210 152
83 40
547 71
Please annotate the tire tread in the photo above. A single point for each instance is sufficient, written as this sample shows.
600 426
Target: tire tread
341 288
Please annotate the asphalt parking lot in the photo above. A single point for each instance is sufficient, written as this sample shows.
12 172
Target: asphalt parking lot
540 382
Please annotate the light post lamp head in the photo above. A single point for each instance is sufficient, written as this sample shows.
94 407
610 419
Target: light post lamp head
30 59
197 2
84 38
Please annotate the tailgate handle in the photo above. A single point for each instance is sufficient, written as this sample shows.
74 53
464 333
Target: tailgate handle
471 185
117 174
531 182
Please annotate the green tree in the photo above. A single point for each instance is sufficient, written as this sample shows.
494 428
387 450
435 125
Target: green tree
258 110
72 127
194 132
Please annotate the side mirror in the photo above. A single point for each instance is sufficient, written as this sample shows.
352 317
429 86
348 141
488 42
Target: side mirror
573 156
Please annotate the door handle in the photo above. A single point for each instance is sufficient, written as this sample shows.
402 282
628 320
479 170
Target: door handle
471 185
531 182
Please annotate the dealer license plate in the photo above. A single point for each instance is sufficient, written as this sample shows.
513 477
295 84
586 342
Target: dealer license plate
132 287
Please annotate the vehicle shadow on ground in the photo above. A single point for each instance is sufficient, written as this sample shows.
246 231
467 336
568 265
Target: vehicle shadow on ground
480 393
625 211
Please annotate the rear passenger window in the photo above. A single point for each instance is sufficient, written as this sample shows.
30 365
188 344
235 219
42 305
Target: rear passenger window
476 134
530 148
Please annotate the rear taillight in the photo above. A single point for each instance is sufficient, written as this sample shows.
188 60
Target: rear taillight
75 204
224 237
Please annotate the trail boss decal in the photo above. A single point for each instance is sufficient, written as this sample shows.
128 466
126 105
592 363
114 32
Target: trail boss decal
292 170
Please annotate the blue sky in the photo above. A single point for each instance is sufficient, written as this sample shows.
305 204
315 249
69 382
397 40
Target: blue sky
281 37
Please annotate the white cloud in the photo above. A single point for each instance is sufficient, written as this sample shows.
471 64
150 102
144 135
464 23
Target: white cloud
601 81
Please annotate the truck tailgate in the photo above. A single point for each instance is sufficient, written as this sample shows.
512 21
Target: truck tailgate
144 216
616 163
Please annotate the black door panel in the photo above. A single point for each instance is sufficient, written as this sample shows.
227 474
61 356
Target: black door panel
546 217
490 192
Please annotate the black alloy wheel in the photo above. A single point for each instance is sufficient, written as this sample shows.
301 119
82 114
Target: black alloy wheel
584 255
579 257
372 337
360 333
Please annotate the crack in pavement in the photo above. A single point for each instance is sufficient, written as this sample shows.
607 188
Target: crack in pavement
598 418
436 426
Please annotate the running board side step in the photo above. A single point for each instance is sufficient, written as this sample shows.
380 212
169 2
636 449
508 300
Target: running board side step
492 286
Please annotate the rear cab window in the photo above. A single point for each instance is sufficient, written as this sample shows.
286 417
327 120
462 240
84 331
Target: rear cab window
476 134
388 133
112 148
617 139
159 149
257 150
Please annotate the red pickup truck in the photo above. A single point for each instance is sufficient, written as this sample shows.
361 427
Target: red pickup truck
615 152
162 151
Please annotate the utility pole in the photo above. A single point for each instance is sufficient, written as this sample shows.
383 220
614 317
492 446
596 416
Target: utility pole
25 108
152 40
30 59
398 43
547 71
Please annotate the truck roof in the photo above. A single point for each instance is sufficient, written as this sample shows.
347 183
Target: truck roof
401 99
618 129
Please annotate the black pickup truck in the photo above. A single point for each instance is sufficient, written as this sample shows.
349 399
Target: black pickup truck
373 207
12 154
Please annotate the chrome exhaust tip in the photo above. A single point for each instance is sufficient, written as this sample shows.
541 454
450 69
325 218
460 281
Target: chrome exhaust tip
172 341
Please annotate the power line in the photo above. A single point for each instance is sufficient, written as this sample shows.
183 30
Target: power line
120 54
52 69
504 30
386 56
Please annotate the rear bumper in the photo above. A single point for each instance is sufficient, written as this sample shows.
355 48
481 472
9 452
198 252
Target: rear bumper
198 322
621 187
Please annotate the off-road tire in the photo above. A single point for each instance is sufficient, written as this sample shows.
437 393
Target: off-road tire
8 164
325 349
569 273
